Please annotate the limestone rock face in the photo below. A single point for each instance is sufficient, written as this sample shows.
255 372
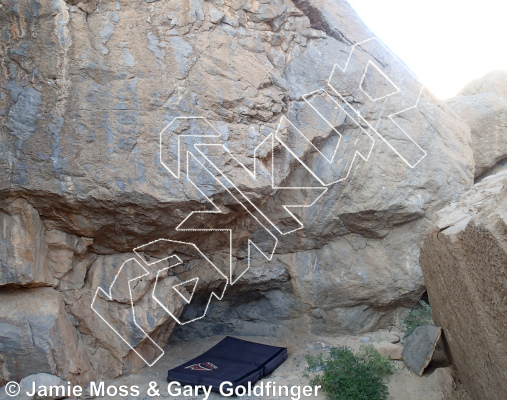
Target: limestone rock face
103 156
483 105
36 335
54 329
464 260
22 247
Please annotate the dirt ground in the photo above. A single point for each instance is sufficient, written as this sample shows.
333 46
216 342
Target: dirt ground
459 393
436 384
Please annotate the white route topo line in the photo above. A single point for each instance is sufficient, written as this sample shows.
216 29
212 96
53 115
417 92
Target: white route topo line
197 150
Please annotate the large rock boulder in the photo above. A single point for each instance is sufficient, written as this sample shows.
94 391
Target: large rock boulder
125 331
464 260
54 329
420 346
40 380
90 140
36 335
483 105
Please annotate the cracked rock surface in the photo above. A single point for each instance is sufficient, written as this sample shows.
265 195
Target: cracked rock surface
86 87
483 105
464 258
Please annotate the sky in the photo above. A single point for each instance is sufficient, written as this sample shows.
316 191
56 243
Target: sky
446 43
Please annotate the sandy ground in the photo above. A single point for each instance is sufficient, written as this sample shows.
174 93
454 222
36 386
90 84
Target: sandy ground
403 385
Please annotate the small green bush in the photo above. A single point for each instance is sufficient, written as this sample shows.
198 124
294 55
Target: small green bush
348 376
417 317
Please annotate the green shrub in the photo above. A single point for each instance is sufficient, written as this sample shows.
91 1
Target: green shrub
417 317
348 376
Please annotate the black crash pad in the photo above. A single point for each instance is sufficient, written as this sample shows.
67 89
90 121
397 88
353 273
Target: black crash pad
234 360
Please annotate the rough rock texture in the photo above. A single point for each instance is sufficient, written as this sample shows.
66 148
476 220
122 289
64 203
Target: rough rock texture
85 90
22 247
419 347
483 105
464 260
389 350
42 379
26 386
36 334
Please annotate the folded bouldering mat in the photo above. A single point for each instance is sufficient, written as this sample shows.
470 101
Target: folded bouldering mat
233 360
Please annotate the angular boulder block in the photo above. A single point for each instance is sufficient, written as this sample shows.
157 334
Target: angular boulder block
464 260
36 335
